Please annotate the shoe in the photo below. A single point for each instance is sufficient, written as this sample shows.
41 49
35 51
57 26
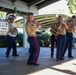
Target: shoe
33 64
51 56
15 55
36 64
57 59
7 55
70 57
61 58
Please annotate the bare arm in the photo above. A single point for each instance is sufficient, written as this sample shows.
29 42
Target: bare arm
13 29
70 27
35 26
65 25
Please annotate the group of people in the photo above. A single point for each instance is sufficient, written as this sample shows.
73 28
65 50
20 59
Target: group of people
31 27
63 38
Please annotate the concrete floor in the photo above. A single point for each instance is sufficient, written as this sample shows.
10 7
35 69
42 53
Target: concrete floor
48 65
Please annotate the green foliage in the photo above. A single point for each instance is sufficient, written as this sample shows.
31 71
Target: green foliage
3 42
72 6
19 40
2 14
44 40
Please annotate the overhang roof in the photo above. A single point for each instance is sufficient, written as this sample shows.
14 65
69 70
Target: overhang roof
8 5
46 20
39 3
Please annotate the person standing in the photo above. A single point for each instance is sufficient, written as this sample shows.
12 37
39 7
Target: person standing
53 39
11 36
31 27
61 38
71 24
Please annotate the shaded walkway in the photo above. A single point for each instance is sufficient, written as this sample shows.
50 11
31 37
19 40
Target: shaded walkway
48 65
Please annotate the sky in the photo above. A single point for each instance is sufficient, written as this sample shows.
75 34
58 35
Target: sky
56 8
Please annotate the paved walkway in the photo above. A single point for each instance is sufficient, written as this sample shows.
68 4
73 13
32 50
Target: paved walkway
48 65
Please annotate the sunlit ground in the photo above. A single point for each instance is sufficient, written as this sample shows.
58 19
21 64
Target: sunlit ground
48 71
67 68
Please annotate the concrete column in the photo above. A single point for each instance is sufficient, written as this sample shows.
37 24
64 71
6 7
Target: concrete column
25 43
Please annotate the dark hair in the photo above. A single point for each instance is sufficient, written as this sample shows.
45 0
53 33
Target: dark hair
59 16
30 13
11 17
73 16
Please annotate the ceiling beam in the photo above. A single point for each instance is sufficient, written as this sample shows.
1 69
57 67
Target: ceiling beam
1 8
44 19
47 3
13 1
47 15
21 6
35 2
45 24
47 21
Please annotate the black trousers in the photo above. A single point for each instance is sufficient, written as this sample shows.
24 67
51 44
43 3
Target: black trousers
53 40
68 45
11 43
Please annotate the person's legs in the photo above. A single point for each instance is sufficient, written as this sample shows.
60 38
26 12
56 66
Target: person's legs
14 47
70 45
35 52
59 42
30 48
30 56
63 46
52 39
8 46
66 44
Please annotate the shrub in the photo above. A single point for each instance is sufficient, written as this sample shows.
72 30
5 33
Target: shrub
44 40
19 40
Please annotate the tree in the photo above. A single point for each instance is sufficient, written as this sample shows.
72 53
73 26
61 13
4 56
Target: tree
2 14
72 6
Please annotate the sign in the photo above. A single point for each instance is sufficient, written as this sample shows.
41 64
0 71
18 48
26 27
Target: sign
3 27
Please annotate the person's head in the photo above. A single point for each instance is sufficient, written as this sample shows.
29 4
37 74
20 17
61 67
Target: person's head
60 19
11 18
30 16
73 18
